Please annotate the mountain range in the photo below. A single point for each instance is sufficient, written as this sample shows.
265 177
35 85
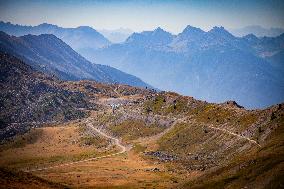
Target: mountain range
214 65
80 39
77 133
116 36
51 55
257 30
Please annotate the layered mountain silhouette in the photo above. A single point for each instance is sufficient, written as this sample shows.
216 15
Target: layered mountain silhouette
214 65
50 126
116 36
80 38
51 55
150 39
257 30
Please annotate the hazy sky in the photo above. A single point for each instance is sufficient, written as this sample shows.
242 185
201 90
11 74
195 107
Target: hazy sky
173 16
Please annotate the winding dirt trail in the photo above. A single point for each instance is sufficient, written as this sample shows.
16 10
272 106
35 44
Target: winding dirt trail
89 124
116 140
234 134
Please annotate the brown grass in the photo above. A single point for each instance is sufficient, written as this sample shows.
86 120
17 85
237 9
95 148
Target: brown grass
48 145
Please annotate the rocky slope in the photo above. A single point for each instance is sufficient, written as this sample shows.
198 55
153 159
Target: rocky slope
32 98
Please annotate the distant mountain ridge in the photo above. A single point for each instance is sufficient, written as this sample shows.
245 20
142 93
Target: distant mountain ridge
206 65
258 31
116 36
80 38
214 65
51 55
157 38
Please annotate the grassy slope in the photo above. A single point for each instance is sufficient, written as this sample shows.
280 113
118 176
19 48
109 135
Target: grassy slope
200 147
128 128
260 168
43 146
133 129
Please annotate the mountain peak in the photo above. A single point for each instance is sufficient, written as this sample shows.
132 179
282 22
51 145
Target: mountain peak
217 29
190 28
191 33
47 25
157 37
86 28
158 29
250 37
220 31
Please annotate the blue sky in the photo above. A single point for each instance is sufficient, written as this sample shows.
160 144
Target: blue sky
145 15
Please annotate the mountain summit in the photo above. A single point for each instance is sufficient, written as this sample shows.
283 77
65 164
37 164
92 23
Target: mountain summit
156 38
221 32
191 31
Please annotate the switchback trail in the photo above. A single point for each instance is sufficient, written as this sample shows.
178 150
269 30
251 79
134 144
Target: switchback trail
123 148
116 141
234 134
181 120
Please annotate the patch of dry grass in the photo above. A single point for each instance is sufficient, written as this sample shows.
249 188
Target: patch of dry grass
49 145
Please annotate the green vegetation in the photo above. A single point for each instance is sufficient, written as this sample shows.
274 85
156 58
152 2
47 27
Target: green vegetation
156 105
89 140
163 104
137 148
213 114
108 118
178 106
133 129
182 139
218 115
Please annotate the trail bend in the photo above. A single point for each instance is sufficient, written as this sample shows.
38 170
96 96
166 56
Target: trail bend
123 149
